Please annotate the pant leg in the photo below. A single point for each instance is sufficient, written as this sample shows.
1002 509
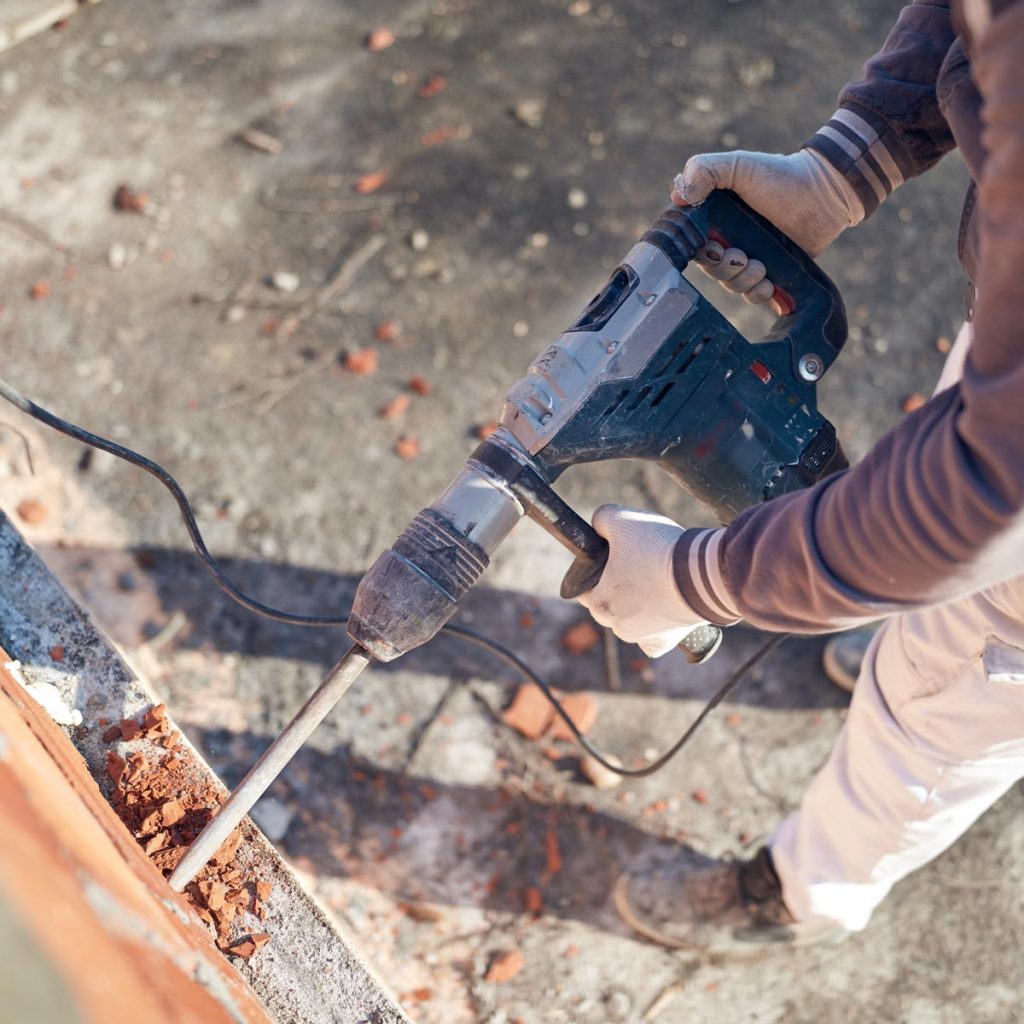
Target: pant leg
934 736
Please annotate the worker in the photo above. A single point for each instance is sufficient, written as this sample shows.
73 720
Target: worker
927 531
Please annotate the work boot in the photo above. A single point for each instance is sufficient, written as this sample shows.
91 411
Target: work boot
714 906
844 655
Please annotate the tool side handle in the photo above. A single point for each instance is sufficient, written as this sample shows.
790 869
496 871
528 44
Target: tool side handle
585 572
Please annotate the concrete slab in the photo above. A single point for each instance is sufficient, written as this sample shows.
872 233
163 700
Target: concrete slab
420 822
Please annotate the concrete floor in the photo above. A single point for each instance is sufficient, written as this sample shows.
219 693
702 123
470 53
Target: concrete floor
419 821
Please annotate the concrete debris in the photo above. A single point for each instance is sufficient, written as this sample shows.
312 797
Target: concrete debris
255 139
285 281
49 698
596 773
530 113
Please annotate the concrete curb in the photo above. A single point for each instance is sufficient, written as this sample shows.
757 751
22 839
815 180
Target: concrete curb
309 974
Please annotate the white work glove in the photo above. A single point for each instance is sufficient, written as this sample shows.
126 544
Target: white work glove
803 195
637 596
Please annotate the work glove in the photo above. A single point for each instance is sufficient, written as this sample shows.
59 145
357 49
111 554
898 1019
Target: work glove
637 596
801 194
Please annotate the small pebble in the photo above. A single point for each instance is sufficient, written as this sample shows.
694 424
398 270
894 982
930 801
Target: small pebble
284 281
539 239
577 199
419 240
520 329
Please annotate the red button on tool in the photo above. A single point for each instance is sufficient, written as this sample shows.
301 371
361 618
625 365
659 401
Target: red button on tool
764 375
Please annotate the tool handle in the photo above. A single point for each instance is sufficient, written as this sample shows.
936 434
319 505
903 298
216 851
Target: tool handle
698 645
812 325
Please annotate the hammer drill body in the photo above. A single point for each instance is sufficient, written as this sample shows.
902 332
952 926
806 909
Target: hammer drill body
650 370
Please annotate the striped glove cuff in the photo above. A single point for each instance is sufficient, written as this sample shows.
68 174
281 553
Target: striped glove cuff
866 151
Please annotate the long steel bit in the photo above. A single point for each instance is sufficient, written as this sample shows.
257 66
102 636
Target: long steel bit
270 765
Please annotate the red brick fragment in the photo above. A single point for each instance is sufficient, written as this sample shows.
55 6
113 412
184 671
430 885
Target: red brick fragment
421 386
913 402
431 87
582 709
407 447
130 729
372 182
113 733
362 362
440 135
172 812
128 200
246 946
39 290
699 796
533 900
115 767
552 852
505 966
31 511
395 407
581 637
529 713
379 39
57 652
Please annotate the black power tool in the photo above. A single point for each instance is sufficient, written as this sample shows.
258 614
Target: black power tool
650 370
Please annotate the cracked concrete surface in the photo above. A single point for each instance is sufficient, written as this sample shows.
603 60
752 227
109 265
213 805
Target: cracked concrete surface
418 821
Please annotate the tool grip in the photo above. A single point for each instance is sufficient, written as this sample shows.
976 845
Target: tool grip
812 325
698 645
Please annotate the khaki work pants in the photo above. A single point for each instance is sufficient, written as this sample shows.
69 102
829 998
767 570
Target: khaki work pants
935 735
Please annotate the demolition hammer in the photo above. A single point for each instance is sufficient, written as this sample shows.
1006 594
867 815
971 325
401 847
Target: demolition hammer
650 370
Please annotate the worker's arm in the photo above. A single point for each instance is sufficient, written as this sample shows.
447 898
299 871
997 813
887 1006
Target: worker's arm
936 509
889 127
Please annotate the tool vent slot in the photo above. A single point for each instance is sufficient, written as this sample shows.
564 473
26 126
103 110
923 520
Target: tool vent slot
659 397
688 357
672 356
638 401
619 399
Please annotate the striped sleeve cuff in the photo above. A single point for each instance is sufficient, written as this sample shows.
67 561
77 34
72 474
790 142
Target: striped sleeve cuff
866 151
699 576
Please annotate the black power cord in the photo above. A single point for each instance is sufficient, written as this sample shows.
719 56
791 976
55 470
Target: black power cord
37 412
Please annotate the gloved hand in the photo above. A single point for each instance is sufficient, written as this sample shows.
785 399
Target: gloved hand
637 594
801 194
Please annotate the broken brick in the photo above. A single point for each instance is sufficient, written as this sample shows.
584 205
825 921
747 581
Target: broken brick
395 407
582 709
581 637
115 767
505 966
128 200
387 330
530 713
362 362
263 889
57 652
379 39
533 900
113 733
913 402
39 290
421 386
431 87
172 812
31 511
552 852
130 729
370 183
407 447
699 796
246 946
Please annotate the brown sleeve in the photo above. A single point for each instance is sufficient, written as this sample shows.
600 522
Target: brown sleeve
936 509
